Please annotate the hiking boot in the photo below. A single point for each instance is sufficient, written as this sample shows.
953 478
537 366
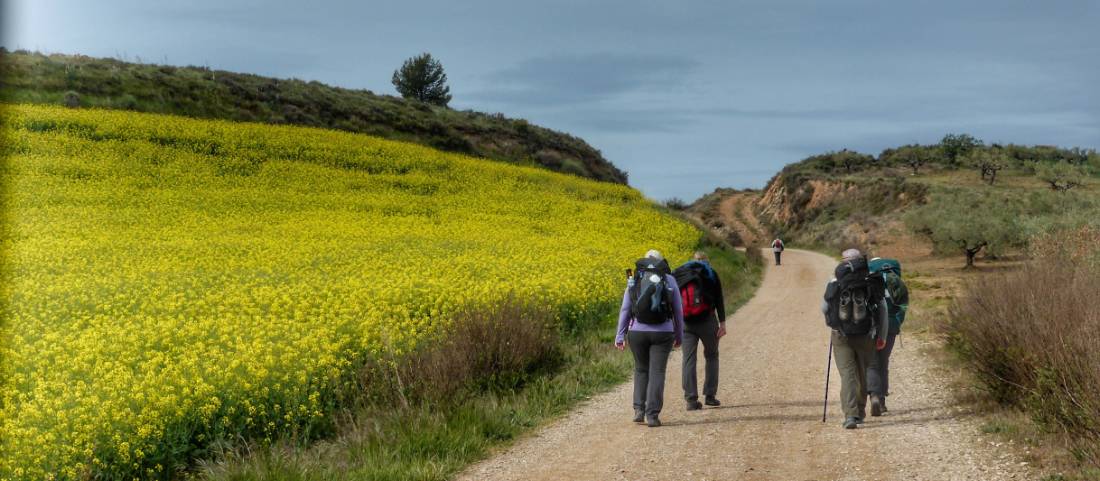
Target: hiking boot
859 420
639 416
845 306
653 422
876 406
850 423
694 405
859 305
712 401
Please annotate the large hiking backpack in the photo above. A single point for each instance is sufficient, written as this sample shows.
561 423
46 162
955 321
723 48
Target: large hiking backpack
649 291
890 271
696 283
897 294
853 298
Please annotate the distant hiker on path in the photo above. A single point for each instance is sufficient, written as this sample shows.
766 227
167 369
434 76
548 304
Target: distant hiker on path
897 302
653 315
701 294
777 248
855 308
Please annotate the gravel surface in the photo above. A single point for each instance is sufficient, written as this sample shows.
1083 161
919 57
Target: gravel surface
769 426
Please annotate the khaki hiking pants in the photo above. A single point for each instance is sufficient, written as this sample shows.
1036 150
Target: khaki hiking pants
853 355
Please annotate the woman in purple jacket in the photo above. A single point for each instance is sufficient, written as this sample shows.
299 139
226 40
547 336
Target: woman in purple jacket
651 335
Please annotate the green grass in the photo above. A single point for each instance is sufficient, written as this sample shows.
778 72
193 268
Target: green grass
214 94
740 277
434 441
1000 426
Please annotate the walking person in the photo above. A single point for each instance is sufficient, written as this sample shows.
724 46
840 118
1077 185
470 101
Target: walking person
897 303
651 321
704 321
855 308
777 249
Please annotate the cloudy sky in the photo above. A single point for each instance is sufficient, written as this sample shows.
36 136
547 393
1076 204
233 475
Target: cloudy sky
684 95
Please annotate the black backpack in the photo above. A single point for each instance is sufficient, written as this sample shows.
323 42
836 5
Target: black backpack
696 285
853 298
649 292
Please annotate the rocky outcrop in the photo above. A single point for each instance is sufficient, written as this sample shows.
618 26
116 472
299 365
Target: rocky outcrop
828 211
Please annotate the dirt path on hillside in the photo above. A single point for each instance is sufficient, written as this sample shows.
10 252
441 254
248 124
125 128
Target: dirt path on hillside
769 427
737 214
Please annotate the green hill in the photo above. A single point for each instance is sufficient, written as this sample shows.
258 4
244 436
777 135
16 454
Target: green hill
215 94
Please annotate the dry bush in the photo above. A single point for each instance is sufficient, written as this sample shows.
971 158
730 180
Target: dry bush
754 255
499 347
1033 338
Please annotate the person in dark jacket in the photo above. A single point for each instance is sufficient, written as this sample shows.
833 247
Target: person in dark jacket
705 327
651 345
878 373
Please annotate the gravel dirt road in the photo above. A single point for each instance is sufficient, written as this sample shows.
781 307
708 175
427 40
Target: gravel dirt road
769 426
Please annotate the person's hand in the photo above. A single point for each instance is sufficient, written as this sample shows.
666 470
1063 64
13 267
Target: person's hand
620 345
721 329
676 343
880 344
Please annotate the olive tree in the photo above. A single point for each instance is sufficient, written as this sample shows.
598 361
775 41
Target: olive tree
1062 176
967 223
913 156
989 162
957 146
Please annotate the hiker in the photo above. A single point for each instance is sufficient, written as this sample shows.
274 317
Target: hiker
651 320
701 295
777 249
855 308
897 302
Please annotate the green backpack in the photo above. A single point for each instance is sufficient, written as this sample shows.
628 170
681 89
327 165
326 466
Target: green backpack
897 295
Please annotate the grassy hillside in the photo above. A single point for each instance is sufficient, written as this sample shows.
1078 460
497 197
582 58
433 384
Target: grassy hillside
78 80
174 285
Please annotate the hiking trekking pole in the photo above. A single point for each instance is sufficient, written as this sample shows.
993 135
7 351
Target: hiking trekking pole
828 370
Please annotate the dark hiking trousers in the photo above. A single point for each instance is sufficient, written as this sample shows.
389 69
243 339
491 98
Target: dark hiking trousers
853 355
777 255
651 351
702 328
878 374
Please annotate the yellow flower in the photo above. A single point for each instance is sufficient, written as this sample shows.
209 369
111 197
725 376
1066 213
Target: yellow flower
153 286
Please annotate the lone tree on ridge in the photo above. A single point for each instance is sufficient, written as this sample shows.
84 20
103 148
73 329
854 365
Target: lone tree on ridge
422 78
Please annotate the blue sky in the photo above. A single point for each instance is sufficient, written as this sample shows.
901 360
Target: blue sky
684 95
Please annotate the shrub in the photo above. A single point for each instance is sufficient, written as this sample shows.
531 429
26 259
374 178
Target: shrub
126 102
754 256
676 203
1062 176
498 348
71 99
1031 337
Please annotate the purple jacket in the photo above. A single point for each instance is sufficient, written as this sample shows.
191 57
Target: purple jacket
674 325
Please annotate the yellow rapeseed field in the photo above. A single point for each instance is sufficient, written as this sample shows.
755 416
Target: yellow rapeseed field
168 281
